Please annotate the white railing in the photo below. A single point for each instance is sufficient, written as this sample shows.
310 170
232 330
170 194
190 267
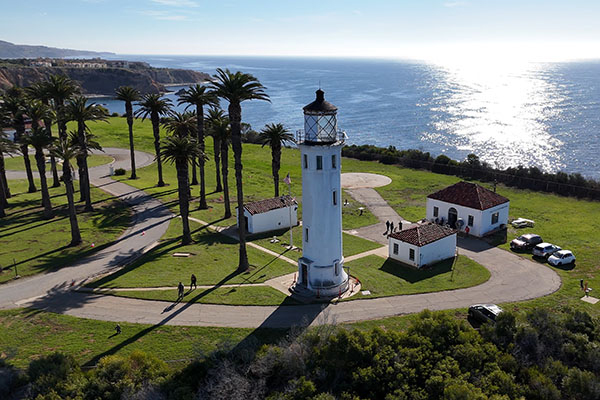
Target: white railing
341 137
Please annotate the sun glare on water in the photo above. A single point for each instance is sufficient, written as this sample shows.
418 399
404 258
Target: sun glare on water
497 108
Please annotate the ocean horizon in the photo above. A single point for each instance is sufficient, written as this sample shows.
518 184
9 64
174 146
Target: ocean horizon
508 113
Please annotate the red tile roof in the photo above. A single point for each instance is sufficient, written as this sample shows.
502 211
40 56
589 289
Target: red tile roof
469 195
423 234
262 206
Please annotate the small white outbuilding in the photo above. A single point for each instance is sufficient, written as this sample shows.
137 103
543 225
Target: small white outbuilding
271 214
423 245
468 205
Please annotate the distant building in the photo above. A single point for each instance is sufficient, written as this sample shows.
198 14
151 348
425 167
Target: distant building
270 214
468 205
422 245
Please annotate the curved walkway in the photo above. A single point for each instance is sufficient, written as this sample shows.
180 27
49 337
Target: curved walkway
513 278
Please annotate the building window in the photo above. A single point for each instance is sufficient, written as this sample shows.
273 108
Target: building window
334 198
495 218
396 248
411 254
333 162
319 162
470 222
306 234
305 161
436 211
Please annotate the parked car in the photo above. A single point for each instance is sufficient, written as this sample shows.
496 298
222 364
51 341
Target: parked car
484 312
525 242
545 250
561 257
523 223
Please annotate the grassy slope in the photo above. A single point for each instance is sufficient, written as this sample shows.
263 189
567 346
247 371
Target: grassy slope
37 245
384 277
16 163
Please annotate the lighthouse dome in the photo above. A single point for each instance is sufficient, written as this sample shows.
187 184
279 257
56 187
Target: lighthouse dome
320 122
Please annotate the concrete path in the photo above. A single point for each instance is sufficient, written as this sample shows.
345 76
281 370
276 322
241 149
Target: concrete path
513 278
150 222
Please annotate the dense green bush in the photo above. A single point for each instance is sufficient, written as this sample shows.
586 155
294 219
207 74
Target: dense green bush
120 171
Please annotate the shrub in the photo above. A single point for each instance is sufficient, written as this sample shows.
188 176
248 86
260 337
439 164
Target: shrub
120 171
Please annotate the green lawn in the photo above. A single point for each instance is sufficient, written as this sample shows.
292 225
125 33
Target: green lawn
213 261
16 163
242 295
352 244
384 277
27 334
36 245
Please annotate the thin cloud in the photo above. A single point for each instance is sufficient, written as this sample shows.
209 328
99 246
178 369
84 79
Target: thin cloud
164 16
451 4
177 3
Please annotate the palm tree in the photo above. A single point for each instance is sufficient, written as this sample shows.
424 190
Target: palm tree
215 114
182 150
129 95
39 140
221 131
198 96
64 149
276 136
151 105
15 105
181 124
6 146
60 89
235 88
77 109
40 91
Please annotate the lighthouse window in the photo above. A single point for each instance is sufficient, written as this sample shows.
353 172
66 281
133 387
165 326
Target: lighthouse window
305 161
306 234
333 162
337 269
319 162
334 198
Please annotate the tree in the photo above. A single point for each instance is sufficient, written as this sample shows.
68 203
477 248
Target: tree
40 141
129 95
182 151
15 105
215 114
236 88
198 96
151 105
276 136
6 146
60 89
40 91
221 132
78 109
65 150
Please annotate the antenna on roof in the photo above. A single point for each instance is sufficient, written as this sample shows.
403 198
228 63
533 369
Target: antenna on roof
319 84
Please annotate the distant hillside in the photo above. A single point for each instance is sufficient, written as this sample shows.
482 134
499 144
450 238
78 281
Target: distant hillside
96 76
11 50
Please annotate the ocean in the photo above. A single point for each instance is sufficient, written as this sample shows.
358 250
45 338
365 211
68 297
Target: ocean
508 113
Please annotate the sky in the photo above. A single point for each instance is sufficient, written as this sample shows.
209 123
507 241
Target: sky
397 29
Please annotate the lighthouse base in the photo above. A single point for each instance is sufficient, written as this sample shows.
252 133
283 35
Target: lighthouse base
325 281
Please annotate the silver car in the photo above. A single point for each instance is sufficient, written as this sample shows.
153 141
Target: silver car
545 250
484 312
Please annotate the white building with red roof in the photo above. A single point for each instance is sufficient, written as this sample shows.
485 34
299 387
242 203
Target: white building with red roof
423 245
270 214
468 206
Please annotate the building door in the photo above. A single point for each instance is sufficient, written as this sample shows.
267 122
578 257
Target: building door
452 217
304 280
246 224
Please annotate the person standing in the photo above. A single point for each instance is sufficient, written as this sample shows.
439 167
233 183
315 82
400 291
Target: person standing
180 291
387 227
391 227
193 282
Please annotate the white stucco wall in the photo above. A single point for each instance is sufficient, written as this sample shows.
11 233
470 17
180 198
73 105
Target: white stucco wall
322 218
425 255
271 220
482 220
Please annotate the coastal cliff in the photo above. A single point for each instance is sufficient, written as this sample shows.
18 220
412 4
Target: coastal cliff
101 81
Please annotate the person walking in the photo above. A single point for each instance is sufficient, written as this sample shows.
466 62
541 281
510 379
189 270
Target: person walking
387 227
400 226
193 282
118 329
180 289
391 227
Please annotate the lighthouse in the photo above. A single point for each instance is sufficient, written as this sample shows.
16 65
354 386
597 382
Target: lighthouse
320 269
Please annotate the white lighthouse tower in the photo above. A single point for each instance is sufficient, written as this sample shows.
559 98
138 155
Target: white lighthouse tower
320 269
